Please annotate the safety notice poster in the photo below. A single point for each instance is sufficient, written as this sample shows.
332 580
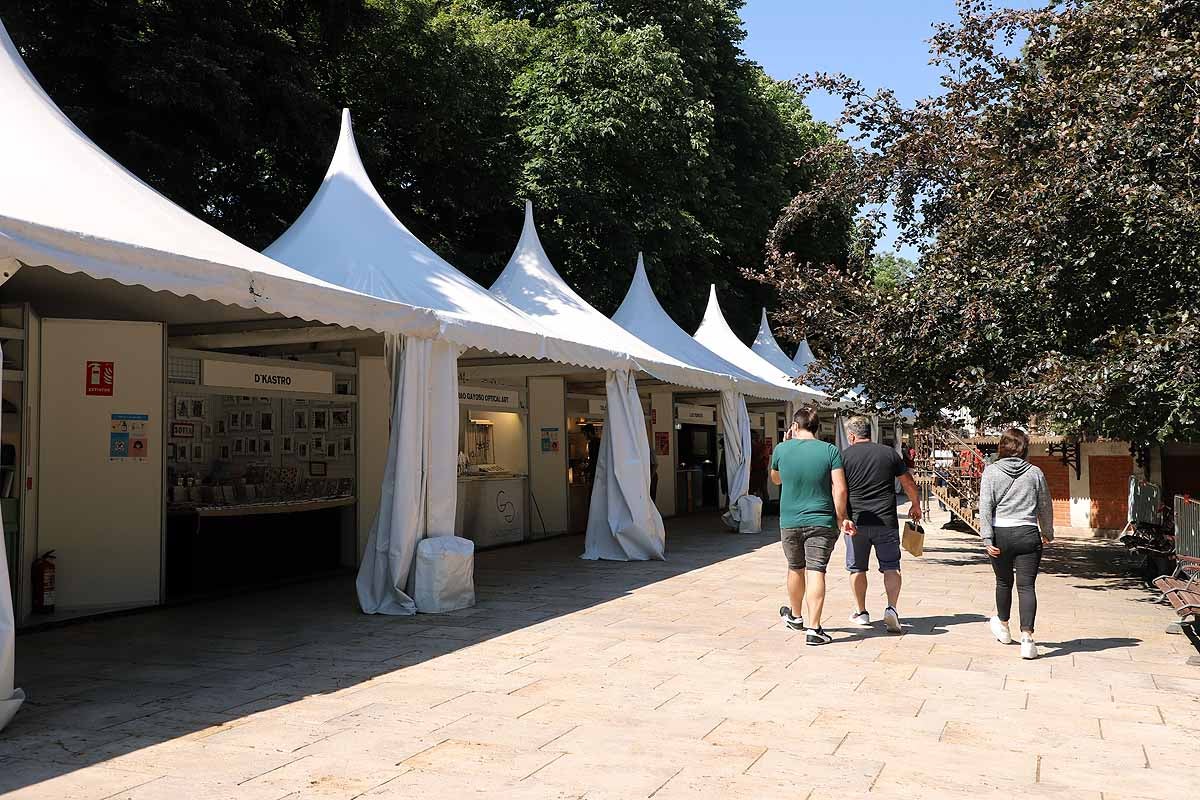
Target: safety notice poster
127 437
549 440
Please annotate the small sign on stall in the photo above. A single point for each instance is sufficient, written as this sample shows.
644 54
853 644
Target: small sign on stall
98 379
127 440
550 440
662 443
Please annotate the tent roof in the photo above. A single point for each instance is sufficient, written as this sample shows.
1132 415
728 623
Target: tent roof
642 315
66 204
531 283
348 236
715 334
804 356
768 347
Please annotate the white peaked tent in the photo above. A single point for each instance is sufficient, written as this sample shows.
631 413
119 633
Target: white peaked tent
348 236
623 522
768 348
715 334
66 204
10 696
804 356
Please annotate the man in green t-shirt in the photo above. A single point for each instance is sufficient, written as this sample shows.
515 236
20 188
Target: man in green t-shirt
812 507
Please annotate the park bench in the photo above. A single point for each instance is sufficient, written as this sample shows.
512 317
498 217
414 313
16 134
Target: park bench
1182 588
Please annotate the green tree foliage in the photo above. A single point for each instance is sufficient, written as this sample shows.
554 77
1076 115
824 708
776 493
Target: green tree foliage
631 124
1054 197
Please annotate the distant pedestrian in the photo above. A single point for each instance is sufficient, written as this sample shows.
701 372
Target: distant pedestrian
871 472
760 461
812 507
1014 501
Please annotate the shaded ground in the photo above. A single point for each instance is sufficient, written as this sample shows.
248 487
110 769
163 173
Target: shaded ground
579 679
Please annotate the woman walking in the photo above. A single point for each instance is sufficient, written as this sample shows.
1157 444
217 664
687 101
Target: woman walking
1014 501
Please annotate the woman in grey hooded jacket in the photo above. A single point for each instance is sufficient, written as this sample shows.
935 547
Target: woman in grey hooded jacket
1014 502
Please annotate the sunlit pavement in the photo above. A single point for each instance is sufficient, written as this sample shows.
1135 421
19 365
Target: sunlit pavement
577 679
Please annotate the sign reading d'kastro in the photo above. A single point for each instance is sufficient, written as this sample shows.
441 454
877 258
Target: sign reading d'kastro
243 375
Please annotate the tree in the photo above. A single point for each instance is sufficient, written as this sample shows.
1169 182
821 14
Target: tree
1052 193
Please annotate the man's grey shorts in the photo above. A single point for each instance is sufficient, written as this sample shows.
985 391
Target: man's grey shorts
885 540
808 547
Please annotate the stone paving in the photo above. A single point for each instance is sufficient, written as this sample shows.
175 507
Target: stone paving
575 679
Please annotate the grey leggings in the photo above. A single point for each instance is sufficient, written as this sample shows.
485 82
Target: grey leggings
1020 554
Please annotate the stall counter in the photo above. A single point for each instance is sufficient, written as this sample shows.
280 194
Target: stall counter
492 509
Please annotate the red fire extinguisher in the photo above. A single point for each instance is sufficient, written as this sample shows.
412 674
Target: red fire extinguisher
43 583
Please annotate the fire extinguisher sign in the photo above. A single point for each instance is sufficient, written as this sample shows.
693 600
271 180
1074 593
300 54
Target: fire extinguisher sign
98 379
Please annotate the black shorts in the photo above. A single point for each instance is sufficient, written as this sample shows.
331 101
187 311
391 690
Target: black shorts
808 547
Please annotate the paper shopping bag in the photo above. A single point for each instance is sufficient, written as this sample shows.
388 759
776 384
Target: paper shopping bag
913 539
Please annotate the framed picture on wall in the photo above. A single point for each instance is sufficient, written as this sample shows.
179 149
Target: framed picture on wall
199 408
299 419
251 446
207 430
170 451
183 408
239 446
287 444
198 452
266 446
249 421
342 417
331 450
301 448
343 386
317 469
226 451
266 421
320 419
182 452
221 427
235 421
346 445
317 446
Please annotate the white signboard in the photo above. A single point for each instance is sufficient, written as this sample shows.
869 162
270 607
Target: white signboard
597 405
699 415
247 375
489 396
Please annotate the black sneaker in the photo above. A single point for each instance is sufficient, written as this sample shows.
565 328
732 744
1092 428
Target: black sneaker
795 623
816 636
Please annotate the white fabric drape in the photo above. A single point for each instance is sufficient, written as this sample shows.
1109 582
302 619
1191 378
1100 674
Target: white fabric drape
623 522
876 433
839 424
735 419
10 697
420 480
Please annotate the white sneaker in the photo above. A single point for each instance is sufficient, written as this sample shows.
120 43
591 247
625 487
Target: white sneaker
1000 631
1028 647
861 618
891 618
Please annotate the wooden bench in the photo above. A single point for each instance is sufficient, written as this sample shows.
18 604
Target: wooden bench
1183 593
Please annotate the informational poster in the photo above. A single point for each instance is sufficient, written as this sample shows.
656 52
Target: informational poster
662 443
98 379
127 437
550 442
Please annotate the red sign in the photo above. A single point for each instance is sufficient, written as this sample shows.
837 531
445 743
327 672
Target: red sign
98 380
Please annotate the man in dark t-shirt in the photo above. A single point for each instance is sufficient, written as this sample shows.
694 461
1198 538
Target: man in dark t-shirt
871 472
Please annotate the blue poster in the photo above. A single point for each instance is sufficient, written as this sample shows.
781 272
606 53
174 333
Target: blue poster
127 437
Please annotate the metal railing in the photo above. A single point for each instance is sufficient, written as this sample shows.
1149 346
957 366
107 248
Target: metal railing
1187 532
1145 502
951 467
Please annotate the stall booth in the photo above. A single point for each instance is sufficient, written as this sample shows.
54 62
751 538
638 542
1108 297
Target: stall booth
493 483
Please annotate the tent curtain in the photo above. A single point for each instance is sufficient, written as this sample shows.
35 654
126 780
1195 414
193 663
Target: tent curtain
420 479
876 432
735 419
839 424
10 698
623 522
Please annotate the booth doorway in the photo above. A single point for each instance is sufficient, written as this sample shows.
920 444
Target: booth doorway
698 485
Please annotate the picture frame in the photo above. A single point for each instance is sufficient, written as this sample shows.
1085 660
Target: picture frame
320 419
287 444
199 408
301 448
342 417
221 426
226 451
235 420
198 452
249 420
183 408
266 446
170 451
316 445
343 386
251 446
239 446
182 453
299 419
207 430
331 450
346 445
266 421
318 469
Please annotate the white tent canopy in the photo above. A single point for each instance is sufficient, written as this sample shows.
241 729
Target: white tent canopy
766 346
66 204
531 283
715 334
348 236
804 356
642 315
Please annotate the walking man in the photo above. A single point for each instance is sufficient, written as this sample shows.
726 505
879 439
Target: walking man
812 507
871 472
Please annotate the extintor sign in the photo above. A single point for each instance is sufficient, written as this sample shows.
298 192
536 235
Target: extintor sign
98 379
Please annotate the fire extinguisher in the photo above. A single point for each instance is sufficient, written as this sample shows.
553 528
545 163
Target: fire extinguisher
43 583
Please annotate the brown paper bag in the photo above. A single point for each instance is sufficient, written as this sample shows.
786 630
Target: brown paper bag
913 539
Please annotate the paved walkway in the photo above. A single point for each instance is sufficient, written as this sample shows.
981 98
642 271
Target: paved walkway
573 679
